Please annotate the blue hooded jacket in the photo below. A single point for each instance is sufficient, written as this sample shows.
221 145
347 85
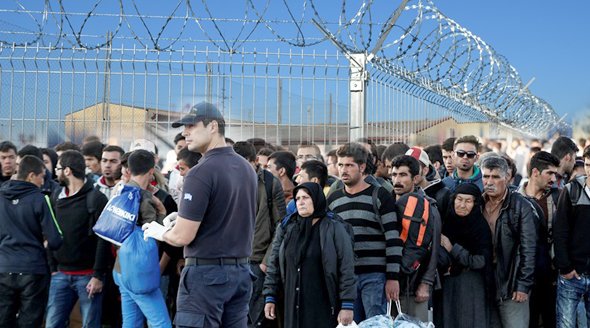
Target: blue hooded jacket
453 181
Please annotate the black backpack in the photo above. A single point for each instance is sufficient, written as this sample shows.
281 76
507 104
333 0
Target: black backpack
575 189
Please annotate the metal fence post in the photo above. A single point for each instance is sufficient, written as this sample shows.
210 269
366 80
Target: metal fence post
358 96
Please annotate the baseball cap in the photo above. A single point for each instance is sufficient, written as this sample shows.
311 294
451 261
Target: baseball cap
420 155
142 144
199 112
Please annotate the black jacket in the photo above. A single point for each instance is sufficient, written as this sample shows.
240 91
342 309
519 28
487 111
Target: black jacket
515 241
82 249
25 220
337 259
571 230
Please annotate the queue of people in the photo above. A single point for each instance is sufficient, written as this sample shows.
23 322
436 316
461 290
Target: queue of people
251 234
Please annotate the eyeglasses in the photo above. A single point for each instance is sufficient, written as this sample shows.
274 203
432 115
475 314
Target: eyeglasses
58 168
469 154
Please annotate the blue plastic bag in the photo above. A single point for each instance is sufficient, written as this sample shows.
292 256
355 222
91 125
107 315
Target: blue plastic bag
139 262
118 219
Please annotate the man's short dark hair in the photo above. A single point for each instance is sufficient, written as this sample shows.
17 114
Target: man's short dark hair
355 150
6 146
563 146
67 146
410 162
332 153
88 139
264 152
30 150
75 161
140 162
434 153
125 159
29 164
113 148
246 150
316 169
586 153
380 151
93 149
449 144
178 137
190 158
541 161
284 160
371 144
394 150
258 143
307 144
470 140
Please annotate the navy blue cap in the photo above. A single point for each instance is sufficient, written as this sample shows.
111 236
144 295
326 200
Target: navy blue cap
199 112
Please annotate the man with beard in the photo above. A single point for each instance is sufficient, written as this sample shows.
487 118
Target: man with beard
541 172
416 287
465 154
110 166
79 266
370 209
512 220
565 150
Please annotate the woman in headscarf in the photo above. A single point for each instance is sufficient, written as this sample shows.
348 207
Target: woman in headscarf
467 239
312 261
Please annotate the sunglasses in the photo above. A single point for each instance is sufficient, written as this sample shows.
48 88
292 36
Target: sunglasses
469 154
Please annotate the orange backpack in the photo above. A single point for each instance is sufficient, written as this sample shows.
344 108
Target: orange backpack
417 230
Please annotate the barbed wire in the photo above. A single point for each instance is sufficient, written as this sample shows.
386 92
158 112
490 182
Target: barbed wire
425 47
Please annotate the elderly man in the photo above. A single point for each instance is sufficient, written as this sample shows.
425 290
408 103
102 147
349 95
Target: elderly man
512 219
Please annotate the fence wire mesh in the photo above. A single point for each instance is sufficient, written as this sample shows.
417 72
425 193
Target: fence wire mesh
122 71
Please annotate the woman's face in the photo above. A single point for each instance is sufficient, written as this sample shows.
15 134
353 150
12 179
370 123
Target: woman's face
47 162
304 203
464 204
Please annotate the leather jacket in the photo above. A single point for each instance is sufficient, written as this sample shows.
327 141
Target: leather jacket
515 241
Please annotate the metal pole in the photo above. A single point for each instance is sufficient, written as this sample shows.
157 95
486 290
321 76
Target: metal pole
358 97
106 97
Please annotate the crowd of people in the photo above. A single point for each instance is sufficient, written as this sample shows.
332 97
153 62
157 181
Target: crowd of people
251 234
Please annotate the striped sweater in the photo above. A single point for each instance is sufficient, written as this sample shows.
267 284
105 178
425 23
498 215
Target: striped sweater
378 247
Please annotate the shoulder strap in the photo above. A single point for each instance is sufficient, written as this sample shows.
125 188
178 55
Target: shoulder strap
575 190
376 205
268 184
92 209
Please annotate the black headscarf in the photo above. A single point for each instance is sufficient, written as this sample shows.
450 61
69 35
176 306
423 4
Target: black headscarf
305 225
472 232
317 196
